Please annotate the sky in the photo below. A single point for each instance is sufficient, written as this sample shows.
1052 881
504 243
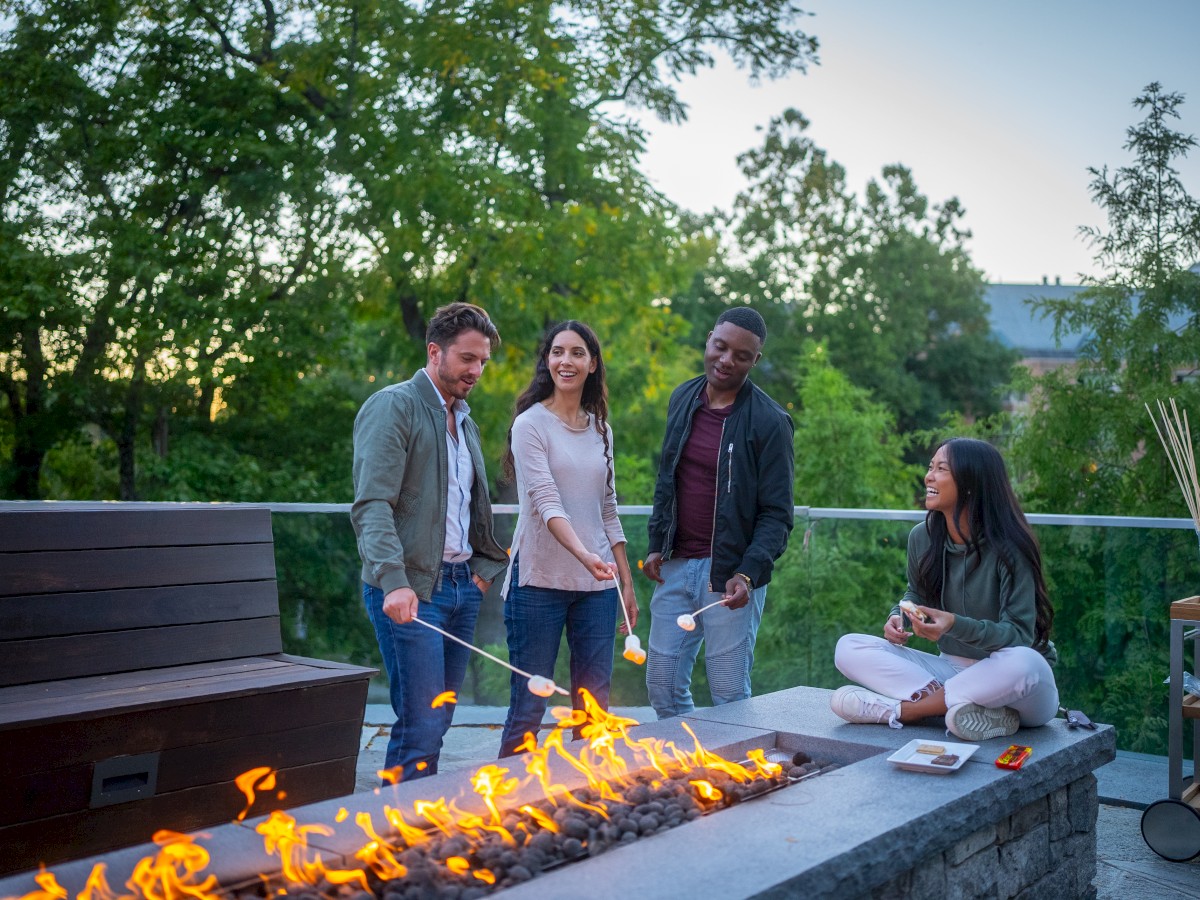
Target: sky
1003 105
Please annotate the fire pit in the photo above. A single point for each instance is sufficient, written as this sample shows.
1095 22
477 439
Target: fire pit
861 829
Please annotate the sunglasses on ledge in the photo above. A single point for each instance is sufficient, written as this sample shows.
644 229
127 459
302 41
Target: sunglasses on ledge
1076 719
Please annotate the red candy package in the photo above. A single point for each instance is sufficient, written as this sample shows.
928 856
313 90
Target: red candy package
1014 757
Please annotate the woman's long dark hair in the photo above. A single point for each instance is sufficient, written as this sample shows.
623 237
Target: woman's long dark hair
989 509
595 391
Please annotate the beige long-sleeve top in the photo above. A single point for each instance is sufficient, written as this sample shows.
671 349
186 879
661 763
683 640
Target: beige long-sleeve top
562 471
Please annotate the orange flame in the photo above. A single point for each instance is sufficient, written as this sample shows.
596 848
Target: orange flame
443 698
437 814
50 888
392 775
706 790
766 768
171 873
489 783
97 887
261 777
543 820
281 837
410 834
378 852
607 757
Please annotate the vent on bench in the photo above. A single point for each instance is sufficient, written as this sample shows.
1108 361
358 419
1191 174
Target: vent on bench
124 778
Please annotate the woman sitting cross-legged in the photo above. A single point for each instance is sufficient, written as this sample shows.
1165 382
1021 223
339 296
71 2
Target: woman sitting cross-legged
975 574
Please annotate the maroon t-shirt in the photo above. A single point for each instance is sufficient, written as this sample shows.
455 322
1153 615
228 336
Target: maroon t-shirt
696 483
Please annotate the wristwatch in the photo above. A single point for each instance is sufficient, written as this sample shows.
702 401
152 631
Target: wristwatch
745 578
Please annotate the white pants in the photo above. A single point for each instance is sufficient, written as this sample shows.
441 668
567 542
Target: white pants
1017 677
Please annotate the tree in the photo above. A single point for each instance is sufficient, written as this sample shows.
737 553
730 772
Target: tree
885 282
489 159
1086 444
836 577
159 237
222 157
1083 450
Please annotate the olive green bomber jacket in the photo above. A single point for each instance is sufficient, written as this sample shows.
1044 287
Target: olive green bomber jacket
400 484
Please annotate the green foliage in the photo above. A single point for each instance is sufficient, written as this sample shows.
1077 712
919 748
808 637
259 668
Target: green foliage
1087 445
167 211
200 200
885 282
848 453
1091 447
836 577
320 595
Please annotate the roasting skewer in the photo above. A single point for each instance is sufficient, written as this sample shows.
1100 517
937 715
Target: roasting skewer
633 644
687 621
538 684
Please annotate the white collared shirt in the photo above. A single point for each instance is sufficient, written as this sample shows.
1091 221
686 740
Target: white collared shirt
460 472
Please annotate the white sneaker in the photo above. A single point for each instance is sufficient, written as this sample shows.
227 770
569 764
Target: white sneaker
972 722
862 707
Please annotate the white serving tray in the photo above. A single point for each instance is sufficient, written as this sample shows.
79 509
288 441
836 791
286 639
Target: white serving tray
909 759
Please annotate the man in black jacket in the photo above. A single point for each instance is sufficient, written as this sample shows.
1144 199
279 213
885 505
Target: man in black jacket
722 515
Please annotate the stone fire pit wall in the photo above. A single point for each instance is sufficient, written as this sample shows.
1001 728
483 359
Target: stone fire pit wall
867 829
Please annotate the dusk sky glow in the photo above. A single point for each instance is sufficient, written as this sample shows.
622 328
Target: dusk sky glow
1003 105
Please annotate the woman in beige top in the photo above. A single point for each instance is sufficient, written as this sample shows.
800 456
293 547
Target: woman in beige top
568 545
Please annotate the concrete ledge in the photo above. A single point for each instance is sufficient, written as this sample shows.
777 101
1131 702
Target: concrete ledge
847 833
843 834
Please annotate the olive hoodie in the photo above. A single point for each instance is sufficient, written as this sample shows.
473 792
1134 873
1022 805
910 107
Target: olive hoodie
994 606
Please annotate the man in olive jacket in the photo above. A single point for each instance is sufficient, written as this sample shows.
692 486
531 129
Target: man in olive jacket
722 516
423 521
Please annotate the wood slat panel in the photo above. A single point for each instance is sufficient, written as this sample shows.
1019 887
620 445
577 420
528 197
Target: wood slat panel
50 659
155 693
76 529
253 706
70 836
60 571
48 615
120 684
222 761
51 793
27 798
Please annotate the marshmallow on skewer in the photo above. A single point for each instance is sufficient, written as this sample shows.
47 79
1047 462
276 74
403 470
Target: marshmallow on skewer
633 650
687 621
541 686
633 644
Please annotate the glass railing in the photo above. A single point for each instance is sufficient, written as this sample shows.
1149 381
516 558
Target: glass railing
1112 580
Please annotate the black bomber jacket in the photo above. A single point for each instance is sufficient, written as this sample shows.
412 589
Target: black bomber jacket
754 505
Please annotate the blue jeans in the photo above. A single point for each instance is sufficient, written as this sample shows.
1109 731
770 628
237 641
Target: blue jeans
728 636
535 617
421 664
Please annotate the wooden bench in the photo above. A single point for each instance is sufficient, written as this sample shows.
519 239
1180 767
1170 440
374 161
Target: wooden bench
141 671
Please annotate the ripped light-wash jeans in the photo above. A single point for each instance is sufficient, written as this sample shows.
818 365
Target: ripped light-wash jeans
728 636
